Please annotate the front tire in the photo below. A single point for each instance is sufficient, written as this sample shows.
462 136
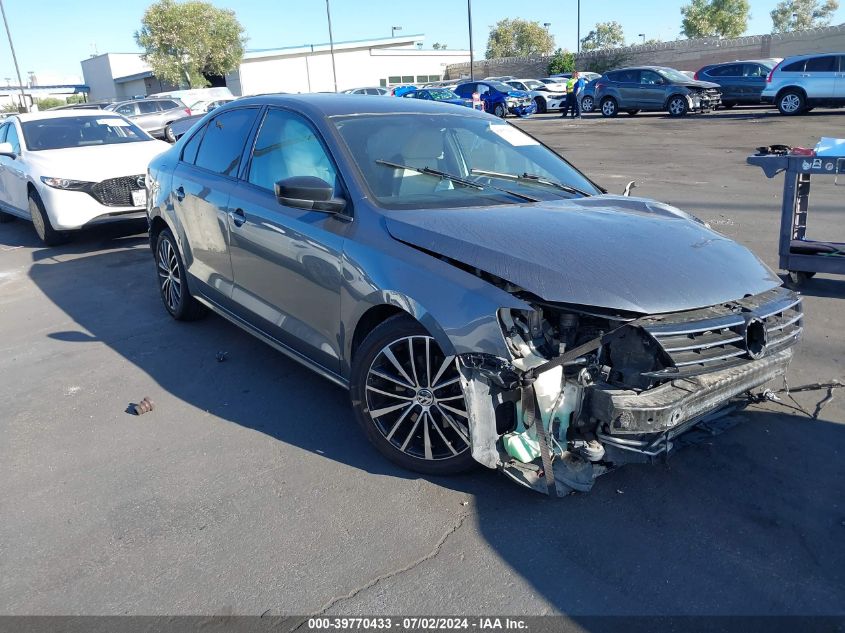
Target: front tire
677 106
791 102
168 134
408 399
41 221
609 107
173 281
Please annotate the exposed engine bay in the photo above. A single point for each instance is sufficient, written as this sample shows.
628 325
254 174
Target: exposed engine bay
587 389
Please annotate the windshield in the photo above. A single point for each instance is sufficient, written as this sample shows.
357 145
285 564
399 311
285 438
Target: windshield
482 151
533 84
673 75
439 94
500 86
44 134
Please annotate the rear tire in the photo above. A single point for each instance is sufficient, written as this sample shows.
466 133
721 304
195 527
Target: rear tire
41 222
609 107
173 281
168 134
410 427
791 102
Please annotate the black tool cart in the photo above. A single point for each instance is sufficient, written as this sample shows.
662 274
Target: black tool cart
801 257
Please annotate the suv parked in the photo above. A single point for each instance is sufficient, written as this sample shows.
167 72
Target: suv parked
499 98
654 88
742 82
800 83
151 115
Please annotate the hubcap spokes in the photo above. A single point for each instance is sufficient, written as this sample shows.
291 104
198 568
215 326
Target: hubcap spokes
168 274
790 103
414 398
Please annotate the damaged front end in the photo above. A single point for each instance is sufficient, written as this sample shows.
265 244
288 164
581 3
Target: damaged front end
586 390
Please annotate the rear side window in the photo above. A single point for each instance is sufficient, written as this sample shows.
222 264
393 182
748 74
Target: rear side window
794 67
127 109
223 141
732 70
147 107
756 70
827 64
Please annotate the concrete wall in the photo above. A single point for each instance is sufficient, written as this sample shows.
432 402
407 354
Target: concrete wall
682 54
99 73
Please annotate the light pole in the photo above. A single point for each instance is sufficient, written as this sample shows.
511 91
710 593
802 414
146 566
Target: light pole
14 57
642 35
579 26
393 30
546 25
331 43
469 21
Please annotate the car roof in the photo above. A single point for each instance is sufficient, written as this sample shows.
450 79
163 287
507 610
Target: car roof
795 58
65 114
318 104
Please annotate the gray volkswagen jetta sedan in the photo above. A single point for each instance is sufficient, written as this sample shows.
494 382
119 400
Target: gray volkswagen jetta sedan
481 299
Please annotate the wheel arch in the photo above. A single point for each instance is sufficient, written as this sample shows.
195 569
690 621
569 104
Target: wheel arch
672 96
790 88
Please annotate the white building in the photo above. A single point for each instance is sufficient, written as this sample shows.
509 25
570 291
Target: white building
387 61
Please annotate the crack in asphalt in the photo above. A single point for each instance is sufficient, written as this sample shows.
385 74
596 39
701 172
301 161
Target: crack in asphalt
391 574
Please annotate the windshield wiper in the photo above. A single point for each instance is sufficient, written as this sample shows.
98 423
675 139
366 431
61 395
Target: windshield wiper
455 179
531 178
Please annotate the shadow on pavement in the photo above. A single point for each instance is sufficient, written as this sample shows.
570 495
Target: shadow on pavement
746 523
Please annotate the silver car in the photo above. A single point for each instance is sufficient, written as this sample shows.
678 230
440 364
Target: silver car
482 300
798 84
151 115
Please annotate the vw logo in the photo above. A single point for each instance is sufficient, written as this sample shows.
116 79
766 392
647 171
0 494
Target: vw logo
425 398
756 337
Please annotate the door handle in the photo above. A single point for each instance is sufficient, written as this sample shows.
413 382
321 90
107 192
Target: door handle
238 217
180 193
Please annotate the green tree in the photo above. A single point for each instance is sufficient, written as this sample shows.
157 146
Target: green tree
73 99
711 18
518 38
799 15
605 35
562 62
49 102
184 42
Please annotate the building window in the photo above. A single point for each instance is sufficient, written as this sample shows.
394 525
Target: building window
395 80
407 79
382 83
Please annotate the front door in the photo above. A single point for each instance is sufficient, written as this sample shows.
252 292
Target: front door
287 261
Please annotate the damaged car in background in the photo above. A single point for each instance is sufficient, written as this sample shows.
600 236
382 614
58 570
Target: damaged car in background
482 300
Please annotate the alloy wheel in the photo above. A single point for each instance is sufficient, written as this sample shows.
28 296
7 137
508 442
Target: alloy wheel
608 107
790 103
169 275
587 104
415 399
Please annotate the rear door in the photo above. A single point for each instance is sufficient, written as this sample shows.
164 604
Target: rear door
202 183
148 116
287 261
627 83
730 78
819 78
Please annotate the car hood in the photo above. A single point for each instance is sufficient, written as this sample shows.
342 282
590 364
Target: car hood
605 251
695 83
519 94
96 162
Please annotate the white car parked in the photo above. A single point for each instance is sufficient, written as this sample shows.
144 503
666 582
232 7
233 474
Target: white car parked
544 96
69 169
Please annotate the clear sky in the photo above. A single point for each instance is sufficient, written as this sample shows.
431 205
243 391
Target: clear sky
52 36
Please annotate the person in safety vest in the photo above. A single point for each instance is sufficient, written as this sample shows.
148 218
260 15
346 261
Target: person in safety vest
573 95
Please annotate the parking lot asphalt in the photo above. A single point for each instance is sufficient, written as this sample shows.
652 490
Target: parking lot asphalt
249 489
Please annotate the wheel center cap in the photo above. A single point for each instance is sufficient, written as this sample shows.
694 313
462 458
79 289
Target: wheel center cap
425 398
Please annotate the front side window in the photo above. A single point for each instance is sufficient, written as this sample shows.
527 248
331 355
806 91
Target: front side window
60 133
650 78
12 137
287 146
673 75
127 109
489 153
223 141
147 107
189 152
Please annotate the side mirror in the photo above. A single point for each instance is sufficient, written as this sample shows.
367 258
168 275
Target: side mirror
6 149
308 192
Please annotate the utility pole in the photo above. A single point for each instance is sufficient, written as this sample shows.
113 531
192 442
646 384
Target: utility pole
331 44
14 57
469 21
579 26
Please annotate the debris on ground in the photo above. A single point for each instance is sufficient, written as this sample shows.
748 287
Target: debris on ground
772 396
221 356
145 406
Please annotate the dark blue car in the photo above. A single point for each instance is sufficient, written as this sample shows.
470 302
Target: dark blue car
742 82
499 98
443 95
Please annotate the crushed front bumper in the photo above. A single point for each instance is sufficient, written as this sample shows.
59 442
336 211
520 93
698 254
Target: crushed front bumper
674 403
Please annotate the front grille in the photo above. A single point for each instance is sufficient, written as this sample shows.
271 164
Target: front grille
117 192
714 338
